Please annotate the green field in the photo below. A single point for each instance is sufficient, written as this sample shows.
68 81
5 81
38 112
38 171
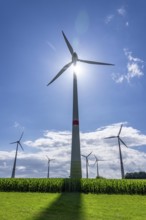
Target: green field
61 185
75 206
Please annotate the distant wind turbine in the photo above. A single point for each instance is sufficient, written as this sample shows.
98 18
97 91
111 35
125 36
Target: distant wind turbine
87 163
18 143
75 171
97 165
120 152
49 160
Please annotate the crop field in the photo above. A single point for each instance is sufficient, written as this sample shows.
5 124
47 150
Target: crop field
70 206
95 186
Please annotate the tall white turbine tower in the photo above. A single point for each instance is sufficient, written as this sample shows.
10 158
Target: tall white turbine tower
120 152
75 171
97 166
49 160
18 143
87 163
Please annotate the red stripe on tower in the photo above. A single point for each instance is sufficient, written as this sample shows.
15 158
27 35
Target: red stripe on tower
75 122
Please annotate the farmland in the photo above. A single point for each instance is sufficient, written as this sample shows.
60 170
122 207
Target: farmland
84 199
69 206
95 186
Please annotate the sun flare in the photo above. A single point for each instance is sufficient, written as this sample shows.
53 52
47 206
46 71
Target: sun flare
77 69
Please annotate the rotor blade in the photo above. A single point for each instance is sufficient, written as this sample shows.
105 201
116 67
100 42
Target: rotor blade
47 157
95 162
89 154
21 146
94 62
60 72
21 136
110 137
83 156
68 44
14 142
120 129
123 142
95 157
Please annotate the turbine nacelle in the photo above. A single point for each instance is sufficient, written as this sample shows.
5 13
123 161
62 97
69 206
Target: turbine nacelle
74 58
19 142
118 137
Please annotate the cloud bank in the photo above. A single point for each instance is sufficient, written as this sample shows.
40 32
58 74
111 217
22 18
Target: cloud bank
57 145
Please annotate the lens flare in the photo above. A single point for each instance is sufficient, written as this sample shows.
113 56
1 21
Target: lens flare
77 69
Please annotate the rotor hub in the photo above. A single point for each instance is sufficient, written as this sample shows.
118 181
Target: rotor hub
74 58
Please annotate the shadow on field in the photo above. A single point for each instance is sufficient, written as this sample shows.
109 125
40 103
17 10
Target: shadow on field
68 206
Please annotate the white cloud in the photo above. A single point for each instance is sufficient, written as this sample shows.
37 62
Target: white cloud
121 11
118 78
109 18
134 67
128 54
127 23
134 70
51 139
18 125
57 145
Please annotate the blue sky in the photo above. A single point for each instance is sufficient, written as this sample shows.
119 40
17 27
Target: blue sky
32 51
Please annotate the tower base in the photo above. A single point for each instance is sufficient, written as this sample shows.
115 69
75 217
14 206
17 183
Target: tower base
76 169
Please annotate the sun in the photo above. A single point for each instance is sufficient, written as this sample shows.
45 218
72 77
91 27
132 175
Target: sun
77 69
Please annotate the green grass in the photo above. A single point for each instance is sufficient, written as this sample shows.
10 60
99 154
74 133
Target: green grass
71 206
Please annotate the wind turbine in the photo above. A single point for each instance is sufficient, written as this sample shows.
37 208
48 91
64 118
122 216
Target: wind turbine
49 160
87 163
96 162
75 171
120 152
18 143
